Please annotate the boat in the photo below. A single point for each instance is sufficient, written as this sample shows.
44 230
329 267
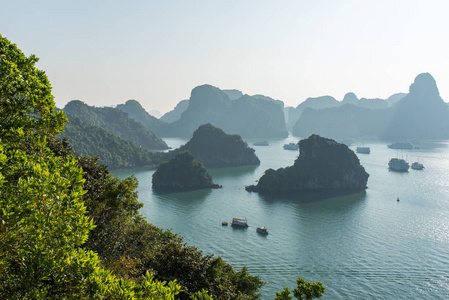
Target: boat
364 150
398 145
398 164
291 146
262 230
224 223
417 166
263 143
239 222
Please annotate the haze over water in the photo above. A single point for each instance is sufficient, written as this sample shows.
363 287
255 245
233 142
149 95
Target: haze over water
364 245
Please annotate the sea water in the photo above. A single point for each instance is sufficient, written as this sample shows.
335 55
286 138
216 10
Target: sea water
365 245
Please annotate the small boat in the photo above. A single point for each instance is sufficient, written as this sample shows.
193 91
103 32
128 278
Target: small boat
417 166
398 145
264 143
224 223
364 150
291 146
239 222
262 230
398 164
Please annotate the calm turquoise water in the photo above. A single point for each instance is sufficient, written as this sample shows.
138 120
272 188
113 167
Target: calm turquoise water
361 246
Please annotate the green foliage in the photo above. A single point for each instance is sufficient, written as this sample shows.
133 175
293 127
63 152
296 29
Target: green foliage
284 295
304 290
129 246
26 103
43 218
113 151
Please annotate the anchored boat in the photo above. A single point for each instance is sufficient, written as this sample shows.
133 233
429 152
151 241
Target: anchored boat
239 222
398 164
262 230
417 166
364 150
291 146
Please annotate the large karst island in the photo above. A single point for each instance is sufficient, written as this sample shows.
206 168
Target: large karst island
213 147
182 173
322 165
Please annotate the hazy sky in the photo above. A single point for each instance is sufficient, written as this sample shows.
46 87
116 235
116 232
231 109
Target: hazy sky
106 52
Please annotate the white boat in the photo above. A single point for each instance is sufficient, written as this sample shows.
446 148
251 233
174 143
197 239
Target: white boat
397 145
291 146
398 164
364 150
263 143
417 166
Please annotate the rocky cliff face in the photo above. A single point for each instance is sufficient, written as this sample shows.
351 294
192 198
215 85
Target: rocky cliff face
246 116
175 114
323 164
420 114
182 173
316 103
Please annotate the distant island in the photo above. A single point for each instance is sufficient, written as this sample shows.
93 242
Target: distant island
213 147
322 165
117 122
136 112
419 114
248 116
112 150
182 173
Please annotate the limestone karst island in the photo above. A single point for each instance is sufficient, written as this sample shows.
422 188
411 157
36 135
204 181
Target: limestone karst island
323 164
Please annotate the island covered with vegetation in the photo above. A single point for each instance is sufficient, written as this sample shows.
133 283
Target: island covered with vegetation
182 173
322 164
213 147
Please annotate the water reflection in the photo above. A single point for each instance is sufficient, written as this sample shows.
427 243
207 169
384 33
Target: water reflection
305 197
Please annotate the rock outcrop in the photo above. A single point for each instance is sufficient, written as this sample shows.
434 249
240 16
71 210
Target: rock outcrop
213 147
182 173
316 103
136 112
420 114
246 116
175 114
322 165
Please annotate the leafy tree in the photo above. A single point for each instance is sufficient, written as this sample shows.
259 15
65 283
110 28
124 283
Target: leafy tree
43 221
284 295
304 290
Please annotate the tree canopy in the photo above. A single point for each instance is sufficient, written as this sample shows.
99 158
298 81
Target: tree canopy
43 216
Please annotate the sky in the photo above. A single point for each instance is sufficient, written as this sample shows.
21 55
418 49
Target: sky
107 52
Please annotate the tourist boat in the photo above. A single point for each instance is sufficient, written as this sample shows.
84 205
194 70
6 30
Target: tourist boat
264 143
417 166
398 164
262 230
291 146
397 145
364 150
239 222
